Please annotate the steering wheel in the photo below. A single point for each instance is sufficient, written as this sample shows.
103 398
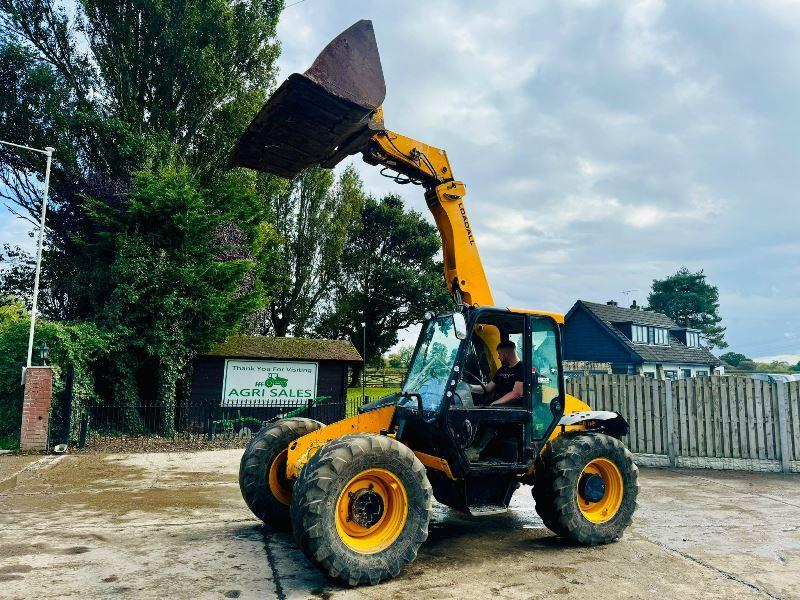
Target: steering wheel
480 383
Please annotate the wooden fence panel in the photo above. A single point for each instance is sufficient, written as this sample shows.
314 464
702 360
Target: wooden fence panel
636 407
590 388
725 416
708 412
760 422
711 417
768 406
751 419
703 394
793 400
733 417
650 415
773 425
741 405
698 416
658 406
692 412
733 387
682 423
716 401
741 400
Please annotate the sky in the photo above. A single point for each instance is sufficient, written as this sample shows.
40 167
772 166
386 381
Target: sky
603 143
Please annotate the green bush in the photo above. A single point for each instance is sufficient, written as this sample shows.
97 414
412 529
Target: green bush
80 344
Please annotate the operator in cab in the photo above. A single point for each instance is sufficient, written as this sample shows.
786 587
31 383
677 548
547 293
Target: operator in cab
506 385
506 389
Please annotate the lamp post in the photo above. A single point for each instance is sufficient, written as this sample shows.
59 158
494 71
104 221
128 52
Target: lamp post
364 372
44 353
48 151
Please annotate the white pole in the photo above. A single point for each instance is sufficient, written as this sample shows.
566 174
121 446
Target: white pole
49 152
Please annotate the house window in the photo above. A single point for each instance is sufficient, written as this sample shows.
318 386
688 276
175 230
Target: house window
693 339
654 336
702 374
671 374
649 375
686 373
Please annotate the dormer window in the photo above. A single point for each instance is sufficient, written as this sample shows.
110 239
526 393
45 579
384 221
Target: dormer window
654 336
693 339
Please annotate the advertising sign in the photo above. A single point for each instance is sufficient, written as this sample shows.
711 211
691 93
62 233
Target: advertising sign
268 383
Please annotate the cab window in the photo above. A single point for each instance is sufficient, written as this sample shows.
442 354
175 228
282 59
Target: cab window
480 359
545 379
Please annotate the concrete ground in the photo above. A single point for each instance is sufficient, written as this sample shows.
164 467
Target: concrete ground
174 525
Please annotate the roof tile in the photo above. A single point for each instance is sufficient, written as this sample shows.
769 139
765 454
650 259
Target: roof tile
259 346
675 352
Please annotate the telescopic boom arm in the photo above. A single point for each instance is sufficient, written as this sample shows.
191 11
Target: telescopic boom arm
427 165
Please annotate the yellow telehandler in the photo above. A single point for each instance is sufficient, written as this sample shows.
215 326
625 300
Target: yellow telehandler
358 493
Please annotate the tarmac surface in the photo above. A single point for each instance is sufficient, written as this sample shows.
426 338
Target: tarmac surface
174 525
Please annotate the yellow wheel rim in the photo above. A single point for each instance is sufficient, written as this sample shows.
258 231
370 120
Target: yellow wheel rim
279 485
371 511
600 502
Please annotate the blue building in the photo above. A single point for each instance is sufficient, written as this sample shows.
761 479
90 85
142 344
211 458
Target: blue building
635 342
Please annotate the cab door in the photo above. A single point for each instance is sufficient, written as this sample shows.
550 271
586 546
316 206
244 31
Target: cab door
546 380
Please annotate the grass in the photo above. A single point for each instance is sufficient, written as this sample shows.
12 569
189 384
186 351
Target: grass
372 393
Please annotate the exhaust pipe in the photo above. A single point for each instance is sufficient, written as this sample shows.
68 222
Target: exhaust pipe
321 116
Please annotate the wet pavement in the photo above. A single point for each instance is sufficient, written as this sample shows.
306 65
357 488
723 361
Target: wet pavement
174 525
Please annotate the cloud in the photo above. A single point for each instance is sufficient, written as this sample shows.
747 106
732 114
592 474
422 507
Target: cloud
604 143
15 231
792 359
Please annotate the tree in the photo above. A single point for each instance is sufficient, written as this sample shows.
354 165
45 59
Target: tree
690 301
118 87
391 277
796 367
402 358
16 275
747 365
734 359
312 216
158 286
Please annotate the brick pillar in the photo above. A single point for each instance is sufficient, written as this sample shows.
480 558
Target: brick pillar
36 408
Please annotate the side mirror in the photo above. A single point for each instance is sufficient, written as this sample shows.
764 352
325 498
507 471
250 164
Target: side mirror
460 326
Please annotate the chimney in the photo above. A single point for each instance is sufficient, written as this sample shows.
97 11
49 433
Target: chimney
634 306
612 303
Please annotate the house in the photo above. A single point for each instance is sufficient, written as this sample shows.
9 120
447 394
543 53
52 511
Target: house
635 342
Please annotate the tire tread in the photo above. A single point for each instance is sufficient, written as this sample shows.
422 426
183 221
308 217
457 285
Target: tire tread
322 476
555 482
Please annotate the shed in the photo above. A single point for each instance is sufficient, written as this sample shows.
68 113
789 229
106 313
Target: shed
264 376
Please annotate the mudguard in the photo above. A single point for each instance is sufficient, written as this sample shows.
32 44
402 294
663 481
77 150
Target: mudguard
612 423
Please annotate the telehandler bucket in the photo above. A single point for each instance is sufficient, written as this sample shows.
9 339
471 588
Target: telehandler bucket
322 115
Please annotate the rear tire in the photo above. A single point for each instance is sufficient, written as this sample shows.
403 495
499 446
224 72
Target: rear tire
565 473
361 508
262 478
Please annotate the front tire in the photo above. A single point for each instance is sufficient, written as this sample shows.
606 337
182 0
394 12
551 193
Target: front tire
262 470
361 508
585 487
